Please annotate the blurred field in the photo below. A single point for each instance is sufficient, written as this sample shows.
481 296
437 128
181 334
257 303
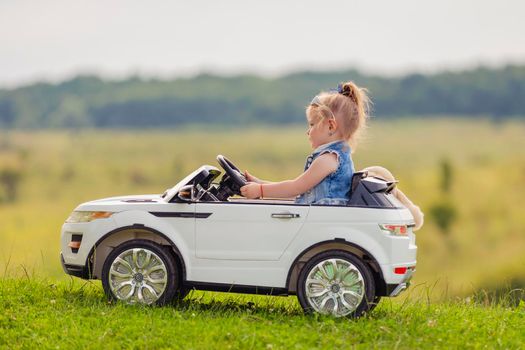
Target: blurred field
483 248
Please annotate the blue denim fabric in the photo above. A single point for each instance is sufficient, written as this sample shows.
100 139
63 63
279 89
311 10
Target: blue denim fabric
333 189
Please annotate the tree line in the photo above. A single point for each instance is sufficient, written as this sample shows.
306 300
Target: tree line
90 101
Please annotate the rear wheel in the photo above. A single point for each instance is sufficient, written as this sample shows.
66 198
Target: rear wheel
336 283
141 272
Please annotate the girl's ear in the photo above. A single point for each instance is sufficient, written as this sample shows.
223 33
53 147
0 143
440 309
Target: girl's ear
332 124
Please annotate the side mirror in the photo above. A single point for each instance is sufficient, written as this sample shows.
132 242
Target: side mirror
187 193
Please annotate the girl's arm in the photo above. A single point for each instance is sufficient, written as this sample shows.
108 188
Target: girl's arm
320 168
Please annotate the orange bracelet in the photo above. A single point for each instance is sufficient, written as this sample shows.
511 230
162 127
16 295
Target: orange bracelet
260 186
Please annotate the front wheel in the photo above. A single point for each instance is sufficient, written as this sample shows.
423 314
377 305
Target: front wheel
140 272
336 283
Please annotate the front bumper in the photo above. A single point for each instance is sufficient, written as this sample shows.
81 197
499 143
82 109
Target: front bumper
75 270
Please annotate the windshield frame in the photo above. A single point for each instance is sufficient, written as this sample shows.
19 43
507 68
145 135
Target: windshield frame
207 171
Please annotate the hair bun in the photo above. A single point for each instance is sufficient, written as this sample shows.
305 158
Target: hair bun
349 90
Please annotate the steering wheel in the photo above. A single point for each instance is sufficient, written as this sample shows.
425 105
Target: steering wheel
233 172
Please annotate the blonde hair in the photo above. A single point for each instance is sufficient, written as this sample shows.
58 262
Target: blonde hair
349 106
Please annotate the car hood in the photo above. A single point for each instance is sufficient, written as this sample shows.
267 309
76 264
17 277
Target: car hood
120 203
142 198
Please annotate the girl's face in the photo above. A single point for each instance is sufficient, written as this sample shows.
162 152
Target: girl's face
318 130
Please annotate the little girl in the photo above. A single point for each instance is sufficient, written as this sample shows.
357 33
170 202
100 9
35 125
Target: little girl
335 121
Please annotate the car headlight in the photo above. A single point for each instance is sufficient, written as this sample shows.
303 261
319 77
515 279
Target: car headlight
87 216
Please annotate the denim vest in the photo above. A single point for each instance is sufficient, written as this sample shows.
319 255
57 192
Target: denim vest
334 188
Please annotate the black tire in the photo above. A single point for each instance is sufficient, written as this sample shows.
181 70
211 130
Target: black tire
343 259
163 266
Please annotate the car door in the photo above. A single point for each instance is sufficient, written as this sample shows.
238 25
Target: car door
246 231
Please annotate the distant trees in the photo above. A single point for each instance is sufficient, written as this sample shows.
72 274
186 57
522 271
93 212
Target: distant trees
243 100
9 181
444 212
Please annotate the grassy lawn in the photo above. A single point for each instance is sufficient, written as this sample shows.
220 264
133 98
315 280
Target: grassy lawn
73 315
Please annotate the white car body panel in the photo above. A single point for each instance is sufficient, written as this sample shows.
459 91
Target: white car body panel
90 232
246 231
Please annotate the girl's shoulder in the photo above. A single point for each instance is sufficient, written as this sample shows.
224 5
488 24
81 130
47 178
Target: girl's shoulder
327 160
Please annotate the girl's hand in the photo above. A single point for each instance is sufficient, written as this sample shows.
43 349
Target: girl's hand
252 190
251 178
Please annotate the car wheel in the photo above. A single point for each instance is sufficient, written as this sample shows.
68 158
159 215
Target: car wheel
140 272
336 283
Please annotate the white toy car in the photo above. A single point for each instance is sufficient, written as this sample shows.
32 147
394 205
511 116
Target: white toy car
152 249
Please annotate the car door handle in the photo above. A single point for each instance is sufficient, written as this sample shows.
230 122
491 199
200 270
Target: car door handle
285 215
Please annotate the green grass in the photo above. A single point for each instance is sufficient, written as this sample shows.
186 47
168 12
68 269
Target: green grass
45 314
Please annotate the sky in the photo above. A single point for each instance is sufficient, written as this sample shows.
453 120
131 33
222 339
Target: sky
57 39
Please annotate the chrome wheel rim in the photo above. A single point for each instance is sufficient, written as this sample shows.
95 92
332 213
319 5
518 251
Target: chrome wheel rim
334 286
138 276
